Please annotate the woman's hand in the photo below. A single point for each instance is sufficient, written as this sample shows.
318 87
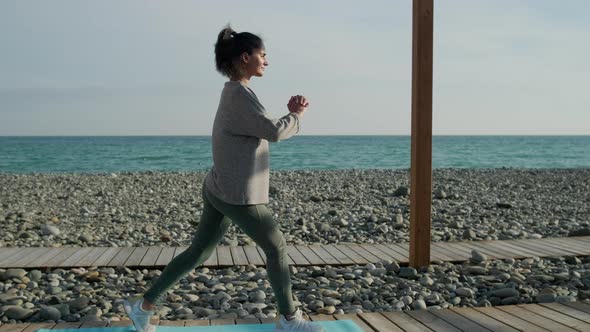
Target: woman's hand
298 104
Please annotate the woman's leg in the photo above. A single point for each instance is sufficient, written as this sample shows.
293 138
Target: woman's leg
211 229
257 222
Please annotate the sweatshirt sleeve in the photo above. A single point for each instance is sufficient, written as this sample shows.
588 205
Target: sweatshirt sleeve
249 118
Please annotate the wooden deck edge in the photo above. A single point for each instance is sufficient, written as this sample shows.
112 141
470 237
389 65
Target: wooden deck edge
561 316
354 254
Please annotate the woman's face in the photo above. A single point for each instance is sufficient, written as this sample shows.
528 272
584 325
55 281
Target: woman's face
255 63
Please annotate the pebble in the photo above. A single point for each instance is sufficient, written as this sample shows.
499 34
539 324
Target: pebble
477 257
354 206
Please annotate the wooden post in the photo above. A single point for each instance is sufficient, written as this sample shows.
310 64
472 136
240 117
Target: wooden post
421 168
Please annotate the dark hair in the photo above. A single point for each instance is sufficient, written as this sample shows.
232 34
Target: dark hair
230 45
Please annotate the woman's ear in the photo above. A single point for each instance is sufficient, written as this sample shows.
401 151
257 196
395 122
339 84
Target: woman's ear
245 57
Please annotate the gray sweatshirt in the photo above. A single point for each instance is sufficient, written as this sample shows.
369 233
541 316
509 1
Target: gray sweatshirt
241 132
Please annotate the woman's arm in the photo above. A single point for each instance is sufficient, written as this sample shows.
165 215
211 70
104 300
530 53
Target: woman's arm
249 118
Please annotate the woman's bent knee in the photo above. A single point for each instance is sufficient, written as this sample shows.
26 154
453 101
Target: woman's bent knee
276 247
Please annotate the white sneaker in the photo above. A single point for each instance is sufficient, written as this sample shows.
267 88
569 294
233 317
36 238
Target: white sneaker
140 317
297 324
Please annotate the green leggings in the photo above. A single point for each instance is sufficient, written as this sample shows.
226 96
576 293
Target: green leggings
254 220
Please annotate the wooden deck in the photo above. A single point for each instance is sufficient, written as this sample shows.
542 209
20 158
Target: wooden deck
300 255
573 316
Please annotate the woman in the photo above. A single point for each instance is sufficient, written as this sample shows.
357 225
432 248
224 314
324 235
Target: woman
236 188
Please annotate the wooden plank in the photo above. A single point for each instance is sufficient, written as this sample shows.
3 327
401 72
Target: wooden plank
121 323
166 256
180 250
211 261
381 251
80 254
171 323
46 254
579 306
22 257
583 243
269 320
540 248
30 255
364 253
238 255
121 256
484 320
534 318
557 316
296 256
222 321
458 247
253 255
319 318
354 256
224 256
106 257
67 325
461 253
151 256
35 326
247 321
63 255
324 255
580 249
575 313
379 322
263 255
512 250
94 324
585 238
310 255
573 251
573 247
14 327
136 256
339 255
454 255
492 249
522 250
196 322
509 319
432 321
8 252
458 321
402 248
93 255
361 323
574 242
405 322
437 253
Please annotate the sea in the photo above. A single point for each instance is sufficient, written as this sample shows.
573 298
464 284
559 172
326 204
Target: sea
108 154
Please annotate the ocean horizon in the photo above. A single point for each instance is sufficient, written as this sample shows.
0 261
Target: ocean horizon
137 153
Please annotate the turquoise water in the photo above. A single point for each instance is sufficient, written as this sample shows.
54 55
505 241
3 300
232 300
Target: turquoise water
98 154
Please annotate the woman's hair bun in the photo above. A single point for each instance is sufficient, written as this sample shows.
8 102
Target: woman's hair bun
227 33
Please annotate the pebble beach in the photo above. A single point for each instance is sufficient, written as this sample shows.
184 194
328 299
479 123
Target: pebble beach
312 207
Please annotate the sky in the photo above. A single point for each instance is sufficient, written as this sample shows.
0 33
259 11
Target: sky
112 67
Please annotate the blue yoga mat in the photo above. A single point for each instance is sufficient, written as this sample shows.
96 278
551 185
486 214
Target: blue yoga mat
329 326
